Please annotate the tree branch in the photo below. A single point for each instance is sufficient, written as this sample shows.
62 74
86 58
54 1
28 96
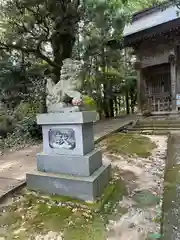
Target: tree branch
17 47
37 52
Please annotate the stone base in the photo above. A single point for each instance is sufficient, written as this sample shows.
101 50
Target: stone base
84 188
66 118
174 114
70 164
165 113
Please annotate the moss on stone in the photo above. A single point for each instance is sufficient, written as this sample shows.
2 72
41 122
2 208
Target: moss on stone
113 192
39 214
130 144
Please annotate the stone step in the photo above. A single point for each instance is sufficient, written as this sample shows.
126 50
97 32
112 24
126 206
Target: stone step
144 122
84 188
157 127
154 131
157 123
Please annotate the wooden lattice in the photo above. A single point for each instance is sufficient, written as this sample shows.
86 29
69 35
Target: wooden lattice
158 88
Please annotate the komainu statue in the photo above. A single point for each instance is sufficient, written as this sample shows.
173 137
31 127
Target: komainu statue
63 96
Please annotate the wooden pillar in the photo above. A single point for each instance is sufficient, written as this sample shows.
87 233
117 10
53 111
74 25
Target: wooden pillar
137 66
172 61
178 69
178 73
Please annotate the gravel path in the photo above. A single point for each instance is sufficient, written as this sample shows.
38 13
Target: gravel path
140 175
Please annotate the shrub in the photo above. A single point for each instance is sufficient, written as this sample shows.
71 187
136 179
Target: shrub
6 125
89 103
23 130
28 128
26 109
26 132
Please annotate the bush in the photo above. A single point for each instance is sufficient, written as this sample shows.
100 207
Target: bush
26 109
89 103
23 130
28 128
26 113
26 132
6 125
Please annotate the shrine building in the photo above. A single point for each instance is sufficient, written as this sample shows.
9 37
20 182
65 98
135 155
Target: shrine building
154 34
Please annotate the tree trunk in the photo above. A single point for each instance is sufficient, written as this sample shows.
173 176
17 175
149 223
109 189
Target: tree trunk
44 107
116 105
106 103
111 107
127 102
62 45
132 101
119 104
66 16
133 97
106 108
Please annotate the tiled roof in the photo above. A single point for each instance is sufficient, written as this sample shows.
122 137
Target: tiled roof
151 19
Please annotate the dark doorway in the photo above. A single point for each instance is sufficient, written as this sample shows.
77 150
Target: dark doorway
158 87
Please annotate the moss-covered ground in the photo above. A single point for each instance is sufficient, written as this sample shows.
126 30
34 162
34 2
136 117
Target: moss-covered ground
33 214
130 144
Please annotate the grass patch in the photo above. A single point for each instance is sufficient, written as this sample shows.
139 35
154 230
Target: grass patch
130 144
83 230
35 214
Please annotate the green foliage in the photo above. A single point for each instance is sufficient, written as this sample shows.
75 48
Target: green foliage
89 103
19 81
107 69
26 109
6 125
139 5
40 34
21 129
28 128
25 132
30 26
76 219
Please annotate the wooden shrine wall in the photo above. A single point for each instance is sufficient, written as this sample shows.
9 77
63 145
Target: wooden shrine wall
154 54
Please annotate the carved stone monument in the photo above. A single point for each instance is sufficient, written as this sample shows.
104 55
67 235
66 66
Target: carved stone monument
66 87
69 165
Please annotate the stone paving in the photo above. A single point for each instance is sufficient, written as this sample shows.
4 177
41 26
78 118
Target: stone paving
15 165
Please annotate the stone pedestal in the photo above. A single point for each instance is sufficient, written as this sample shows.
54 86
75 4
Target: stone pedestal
69 165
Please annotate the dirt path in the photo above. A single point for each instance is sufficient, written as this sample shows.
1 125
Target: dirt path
144 179
15 165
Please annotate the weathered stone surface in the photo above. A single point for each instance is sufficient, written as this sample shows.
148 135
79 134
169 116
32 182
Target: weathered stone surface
67 85
66 118
83 138
16 164
85 188
8 184
70 164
